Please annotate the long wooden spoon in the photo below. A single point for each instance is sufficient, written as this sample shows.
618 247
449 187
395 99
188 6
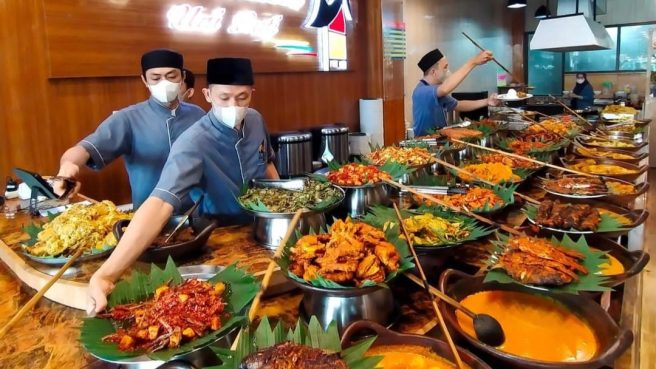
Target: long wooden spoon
252 312
30 304
526 158
449 206
440 318
466 172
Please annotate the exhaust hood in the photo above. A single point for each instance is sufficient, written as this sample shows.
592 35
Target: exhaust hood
571 33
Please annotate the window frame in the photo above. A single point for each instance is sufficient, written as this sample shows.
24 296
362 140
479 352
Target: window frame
562 53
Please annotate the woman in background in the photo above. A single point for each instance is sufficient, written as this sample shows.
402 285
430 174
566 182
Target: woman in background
582 94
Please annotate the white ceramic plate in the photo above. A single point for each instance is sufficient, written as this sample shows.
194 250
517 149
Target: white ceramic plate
504 97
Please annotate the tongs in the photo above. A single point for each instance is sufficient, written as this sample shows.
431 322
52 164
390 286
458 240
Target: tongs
439 190
184 219
297 184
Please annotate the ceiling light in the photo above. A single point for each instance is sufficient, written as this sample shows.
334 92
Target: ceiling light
516 4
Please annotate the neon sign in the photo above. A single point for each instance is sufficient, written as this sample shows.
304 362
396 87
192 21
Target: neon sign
198 19
247 22
187 18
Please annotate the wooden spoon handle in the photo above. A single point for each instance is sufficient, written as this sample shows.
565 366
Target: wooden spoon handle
438 313
30 304
526 158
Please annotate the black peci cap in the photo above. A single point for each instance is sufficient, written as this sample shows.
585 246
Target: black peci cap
429 60
161 58
230 71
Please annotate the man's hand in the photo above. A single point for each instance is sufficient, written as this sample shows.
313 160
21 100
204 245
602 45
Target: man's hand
482 58
99 288
67 170
492 100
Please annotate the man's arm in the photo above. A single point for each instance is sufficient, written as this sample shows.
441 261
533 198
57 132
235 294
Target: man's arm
452 82
69 166
271 172
469 105
146 224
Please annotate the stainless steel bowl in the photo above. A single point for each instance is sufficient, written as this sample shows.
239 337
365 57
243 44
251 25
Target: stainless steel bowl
270 230
359 199
419 171
348 305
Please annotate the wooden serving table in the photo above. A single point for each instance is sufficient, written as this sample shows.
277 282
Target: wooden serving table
47 336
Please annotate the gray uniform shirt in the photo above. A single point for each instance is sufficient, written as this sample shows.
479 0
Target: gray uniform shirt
218 160
143 134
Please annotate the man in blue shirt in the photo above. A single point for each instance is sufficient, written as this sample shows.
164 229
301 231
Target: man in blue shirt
431 98
225 149
143 133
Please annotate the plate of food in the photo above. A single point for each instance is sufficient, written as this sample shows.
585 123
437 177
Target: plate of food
576 187
605 153
606 167
563 127
284 197
164 315
348 255
431 228
409 156
533 143
555 264
585 217
87 226
515 163
303 346
608 143
618 113
186 241
495 173
479 199
514 95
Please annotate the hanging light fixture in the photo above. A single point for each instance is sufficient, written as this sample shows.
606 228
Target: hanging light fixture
543 12
516 4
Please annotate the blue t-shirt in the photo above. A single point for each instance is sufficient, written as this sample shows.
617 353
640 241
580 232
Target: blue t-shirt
143 134
428 110
216 160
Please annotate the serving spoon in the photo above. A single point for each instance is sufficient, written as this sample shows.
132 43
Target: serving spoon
487 329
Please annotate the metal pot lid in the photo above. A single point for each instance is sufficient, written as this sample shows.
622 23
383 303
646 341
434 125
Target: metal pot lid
295 137
334 130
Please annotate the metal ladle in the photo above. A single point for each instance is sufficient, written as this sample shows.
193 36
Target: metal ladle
487 329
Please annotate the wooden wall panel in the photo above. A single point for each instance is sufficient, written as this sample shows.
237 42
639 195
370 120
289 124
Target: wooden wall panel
42 117
106 38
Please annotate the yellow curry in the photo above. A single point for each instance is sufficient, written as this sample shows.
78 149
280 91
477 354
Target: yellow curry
535 327
409 356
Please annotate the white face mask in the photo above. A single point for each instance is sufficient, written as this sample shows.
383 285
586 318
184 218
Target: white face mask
444 75
165 91
580 80
231 116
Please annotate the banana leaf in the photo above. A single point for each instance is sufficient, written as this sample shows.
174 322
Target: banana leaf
241 288
392 236
385 218
591 282
607 223
312 335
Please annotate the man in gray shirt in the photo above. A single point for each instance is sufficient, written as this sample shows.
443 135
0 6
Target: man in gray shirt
143 133
225 149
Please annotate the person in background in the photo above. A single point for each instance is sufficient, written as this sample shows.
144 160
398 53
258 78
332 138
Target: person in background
143 133
582 94
226 149
187 86
431 98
